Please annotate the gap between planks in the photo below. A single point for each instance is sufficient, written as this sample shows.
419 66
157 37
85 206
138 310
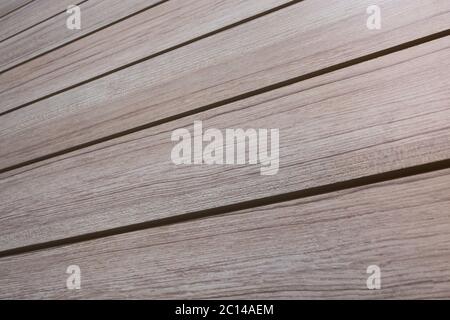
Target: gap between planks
10 6
253 204
75 66
329 134
319 247
56 35
244 96
27 25
149 99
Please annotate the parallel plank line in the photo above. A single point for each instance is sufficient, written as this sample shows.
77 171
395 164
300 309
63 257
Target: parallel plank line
258 54
10 6
246 95
53 34
229 209
31 15
398 117
318 247
123 46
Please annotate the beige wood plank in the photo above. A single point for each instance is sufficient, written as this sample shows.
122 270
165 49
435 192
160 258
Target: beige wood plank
382 115
53 33
31 15
256 54
8 6
151 32
318 247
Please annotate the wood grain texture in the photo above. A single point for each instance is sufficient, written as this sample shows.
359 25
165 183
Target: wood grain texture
256 54
318 247
153 31
8 6
53 32
382 115
30 15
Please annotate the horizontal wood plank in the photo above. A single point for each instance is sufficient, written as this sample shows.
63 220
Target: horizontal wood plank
382 115
318 247
146 34
257 54
30 15
53 32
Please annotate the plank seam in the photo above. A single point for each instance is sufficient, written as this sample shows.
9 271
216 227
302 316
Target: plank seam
243 96
76 39
300 194
152 56
40 22
18 8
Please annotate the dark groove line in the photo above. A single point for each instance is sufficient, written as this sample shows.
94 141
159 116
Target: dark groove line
152 56
18 8
38 23
246 95
80 37
305 193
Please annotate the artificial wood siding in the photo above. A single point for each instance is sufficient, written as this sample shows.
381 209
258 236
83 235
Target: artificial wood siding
86 178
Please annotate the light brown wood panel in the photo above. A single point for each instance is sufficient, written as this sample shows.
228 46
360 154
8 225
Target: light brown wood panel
8 6
318 247
285 44
382 115
153 31
53 33
31 15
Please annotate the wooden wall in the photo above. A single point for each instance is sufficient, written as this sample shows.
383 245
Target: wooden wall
87 179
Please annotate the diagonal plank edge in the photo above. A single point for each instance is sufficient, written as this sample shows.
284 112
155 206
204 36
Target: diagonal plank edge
299 194
31 15
9 6
257 54
150 33
318 247
378 116
53 33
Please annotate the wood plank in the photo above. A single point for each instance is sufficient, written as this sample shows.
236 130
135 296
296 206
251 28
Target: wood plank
146 34
8 6
31 15
317 247
256 54
53 33
382 115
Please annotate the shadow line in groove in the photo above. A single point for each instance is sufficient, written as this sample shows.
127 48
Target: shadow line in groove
38 23
73 40
18 8
152 56
305 193
243 96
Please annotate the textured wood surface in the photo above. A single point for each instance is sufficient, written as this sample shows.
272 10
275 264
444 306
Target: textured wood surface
86 176
318 247
9 6
382 115
148 33
256 54
53 32
30 15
